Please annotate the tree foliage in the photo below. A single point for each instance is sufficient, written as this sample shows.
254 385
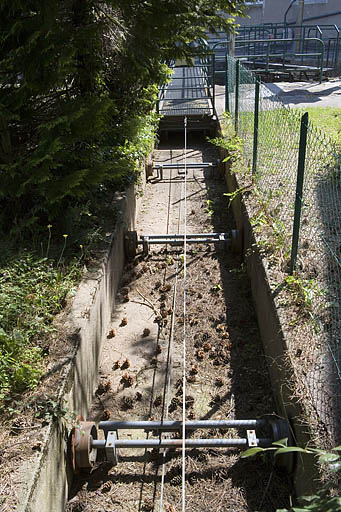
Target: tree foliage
78 79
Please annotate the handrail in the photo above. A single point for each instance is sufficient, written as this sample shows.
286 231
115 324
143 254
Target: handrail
270 42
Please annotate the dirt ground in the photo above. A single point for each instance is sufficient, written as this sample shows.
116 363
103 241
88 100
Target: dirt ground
226 368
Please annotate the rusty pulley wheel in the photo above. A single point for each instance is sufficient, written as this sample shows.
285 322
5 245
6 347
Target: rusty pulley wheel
281 430
130 244
237 242
84 455
149 169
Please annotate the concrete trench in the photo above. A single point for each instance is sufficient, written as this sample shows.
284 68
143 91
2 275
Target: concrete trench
226 370
98 309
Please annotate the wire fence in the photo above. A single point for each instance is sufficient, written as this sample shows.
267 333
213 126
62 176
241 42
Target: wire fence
299 230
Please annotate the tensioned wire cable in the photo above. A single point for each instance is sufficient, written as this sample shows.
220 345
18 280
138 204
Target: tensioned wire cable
170 361
184 193
184 333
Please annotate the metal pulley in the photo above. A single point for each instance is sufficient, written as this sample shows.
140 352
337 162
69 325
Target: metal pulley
85 442
225 241
84 454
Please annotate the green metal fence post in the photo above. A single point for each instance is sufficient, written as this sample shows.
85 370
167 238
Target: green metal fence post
236 109
255 127
213 81
299 190
227 89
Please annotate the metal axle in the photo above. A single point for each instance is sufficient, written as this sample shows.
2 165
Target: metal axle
178 239
231 240
177 443
85 443
180 165
168 426
160 166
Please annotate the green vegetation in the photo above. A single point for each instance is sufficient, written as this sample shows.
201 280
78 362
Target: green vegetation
78 90
326 119
32 291
325 499
79 81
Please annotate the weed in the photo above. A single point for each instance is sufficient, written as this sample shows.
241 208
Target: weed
210 207
232 144
33 291
305 291
323 500
236 193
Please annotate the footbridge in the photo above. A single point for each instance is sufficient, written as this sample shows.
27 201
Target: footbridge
191 94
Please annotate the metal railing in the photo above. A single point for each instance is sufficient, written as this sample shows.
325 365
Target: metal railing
328 33
295 173
191 90
277 55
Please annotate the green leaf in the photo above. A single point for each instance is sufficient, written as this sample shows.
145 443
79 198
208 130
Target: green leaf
335 467
251 452
328 457
290 449
281 442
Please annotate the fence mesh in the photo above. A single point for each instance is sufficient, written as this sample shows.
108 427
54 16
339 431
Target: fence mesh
311 296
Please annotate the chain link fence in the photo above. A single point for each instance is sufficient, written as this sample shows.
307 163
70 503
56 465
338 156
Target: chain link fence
303 256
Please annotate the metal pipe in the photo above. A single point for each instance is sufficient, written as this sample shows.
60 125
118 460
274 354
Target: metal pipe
181 236
182 165
177 443
177 424
180 241
287 11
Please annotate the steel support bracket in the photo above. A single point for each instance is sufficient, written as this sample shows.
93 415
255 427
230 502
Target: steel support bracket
251 438
110 447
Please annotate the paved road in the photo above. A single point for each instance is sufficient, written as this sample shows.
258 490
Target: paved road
309 94
297 94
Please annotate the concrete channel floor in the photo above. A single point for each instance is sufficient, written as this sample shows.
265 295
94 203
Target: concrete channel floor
226 369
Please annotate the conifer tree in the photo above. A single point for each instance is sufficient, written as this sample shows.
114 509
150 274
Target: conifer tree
76 79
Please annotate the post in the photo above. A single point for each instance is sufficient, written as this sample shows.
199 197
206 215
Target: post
255 128
299 190
299 23
236 109
232 42
213 82
227 99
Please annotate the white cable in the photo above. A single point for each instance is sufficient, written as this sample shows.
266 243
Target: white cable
170 360
184 191
184 341
171 343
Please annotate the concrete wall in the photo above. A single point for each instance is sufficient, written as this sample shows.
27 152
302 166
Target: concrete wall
45 483
302 468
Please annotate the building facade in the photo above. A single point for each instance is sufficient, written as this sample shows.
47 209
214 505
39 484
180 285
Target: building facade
315 12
